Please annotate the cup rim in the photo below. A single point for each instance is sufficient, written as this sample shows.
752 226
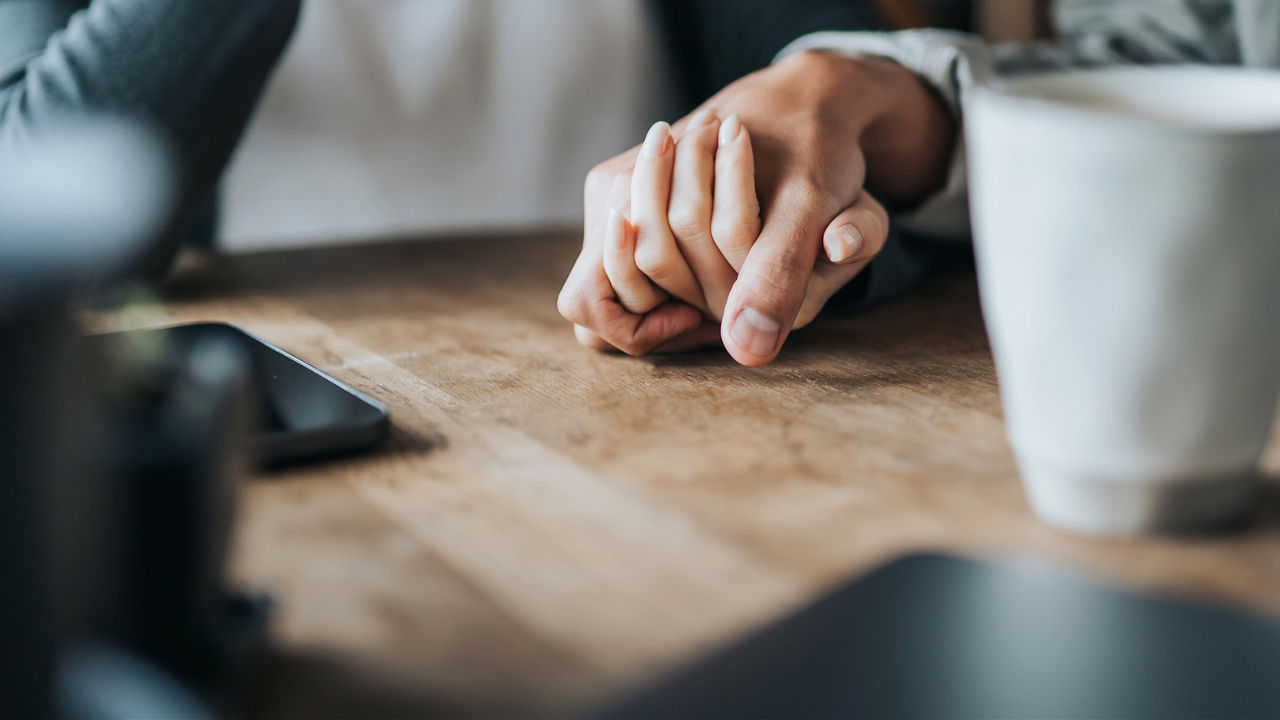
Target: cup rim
1018 91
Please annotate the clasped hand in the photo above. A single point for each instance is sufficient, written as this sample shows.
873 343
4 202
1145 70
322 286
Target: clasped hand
736 225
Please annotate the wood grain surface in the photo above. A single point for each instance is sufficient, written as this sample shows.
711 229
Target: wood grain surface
550 526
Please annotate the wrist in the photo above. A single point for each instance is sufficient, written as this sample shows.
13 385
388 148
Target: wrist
909 140
903 129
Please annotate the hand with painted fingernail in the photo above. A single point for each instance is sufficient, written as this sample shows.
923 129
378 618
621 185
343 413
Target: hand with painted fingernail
612 304
695 209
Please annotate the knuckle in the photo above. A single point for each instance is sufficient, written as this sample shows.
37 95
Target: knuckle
688 220
768 288
590 340
629 344
737 231
779 276
634 349
599 180
805 192
805 62
655 262
571 305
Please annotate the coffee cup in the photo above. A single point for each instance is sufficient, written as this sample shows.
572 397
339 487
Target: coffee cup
1127 230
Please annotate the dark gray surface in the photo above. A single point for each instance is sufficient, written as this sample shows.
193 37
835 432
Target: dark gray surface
936 636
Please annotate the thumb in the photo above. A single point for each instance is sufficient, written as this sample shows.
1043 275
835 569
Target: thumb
851 240
858 233
771 285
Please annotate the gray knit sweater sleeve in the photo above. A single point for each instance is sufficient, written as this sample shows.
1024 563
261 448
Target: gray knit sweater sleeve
192 69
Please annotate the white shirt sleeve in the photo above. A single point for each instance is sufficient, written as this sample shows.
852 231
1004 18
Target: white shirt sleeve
1093 33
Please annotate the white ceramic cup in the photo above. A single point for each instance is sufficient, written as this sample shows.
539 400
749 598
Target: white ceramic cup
1127 228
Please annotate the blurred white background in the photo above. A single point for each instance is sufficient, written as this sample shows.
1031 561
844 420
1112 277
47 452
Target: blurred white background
420 117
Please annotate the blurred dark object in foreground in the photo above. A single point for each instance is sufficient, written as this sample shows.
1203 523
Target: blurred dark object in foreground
116 478
936 636
303 414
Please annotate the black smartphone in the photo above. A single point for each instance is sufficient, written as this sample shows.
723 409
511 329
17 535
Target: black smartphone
932 636
304 414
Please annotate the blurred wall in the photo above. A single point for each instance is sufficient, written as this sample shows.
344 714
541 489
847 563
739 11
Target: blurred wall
421 117
392 117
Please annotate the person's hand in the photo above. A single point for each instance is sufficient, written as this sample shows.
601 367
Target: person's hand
692 249
692 204
695 216
636 318
820 123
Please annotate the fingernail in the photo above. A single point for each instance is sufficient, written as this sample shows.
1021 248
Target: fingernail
756 333
614 232
655 143
844 243
729 129
700 118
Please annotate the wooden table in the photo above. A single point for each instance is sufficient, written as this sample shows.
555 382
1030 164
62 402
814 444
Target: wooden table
549 526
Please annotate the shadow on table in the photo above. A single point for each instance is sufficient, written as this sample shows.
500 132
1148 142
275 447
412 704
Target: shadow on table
297 684
402 441
936 321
